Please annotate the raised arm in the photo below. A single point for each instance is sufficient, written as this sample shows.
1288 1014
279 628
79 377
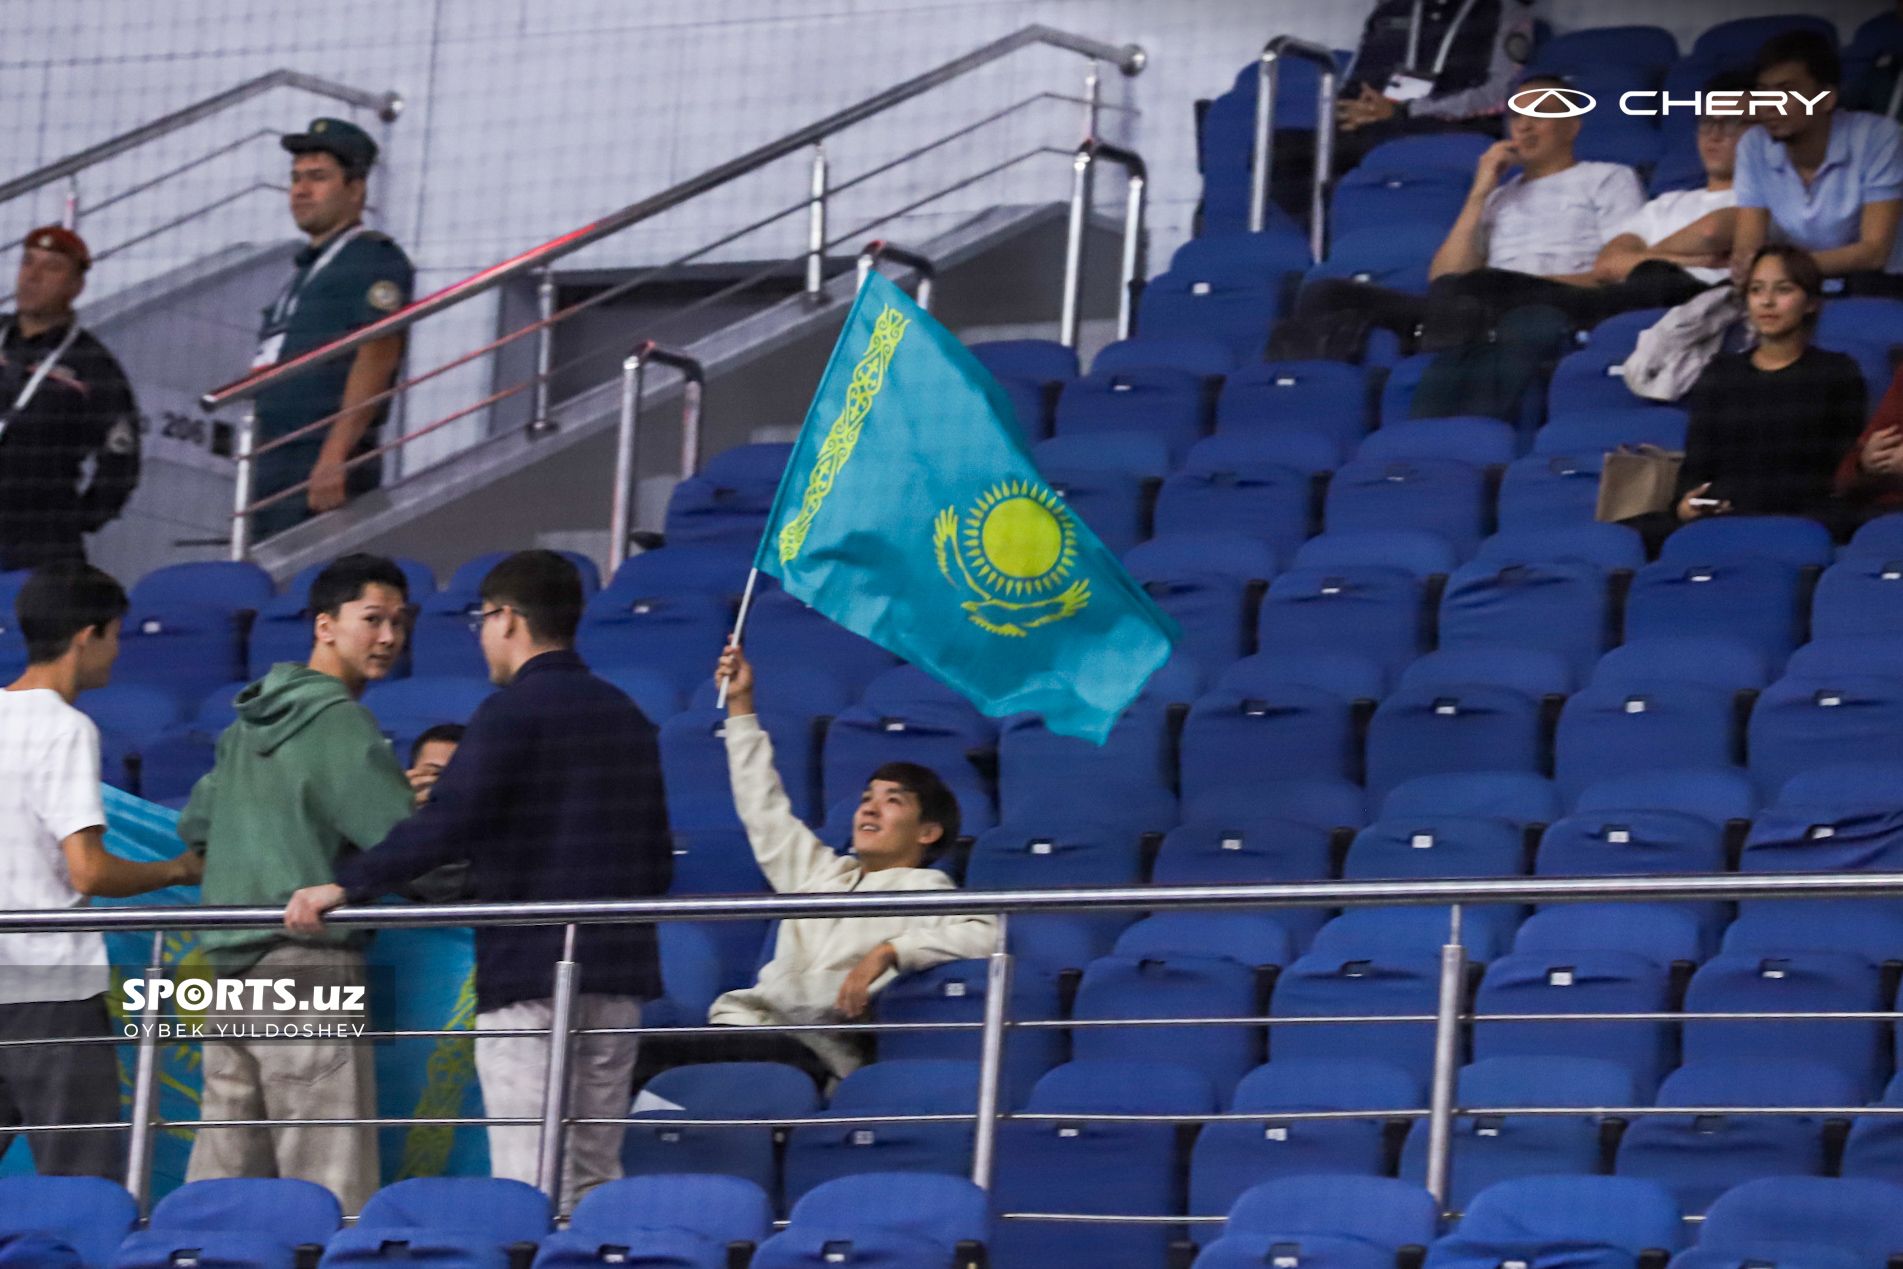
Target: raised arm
1465 248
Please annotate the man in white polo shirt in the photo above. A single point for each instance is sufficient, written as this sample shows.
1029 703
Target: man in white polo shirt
53 855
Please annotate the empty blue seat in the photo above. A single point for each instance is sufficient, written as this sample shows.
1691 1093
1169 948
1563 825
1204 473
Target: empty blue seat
1607 731
1486 931
728 499
1519 797
1636 839
1576 982
716 568
1796 540
1858 1217
1831 655
1533 671
1111 490
87 1213
1159 401
1439 495
1334 1221
1125 777
1372 610
904 716
1714 660
1240 851
1198 355
1609 427
1385 983
1866 928
1488 1149
1077 1165
1230 1158
1663 933
1208 582
1384 190
1394 257
1803 723
186 649
694 1222
1560 606
462 1219
227 585
1550 490
1348 675
679 635
1468 438
1860 596
1881 536
1699 1157
1414 550
1470 727
254 1222
715 1090
1435 846
1875 1146
920 1086
407 708
1608 545
1306 449
1593 377
1753 600
1715 794
955 992
879 1219
1236 736
1328 395
1223 287
1796 981
784 634
1041 359
1216 493
1555 1220
1052 849
1648 48
136 711
1174 986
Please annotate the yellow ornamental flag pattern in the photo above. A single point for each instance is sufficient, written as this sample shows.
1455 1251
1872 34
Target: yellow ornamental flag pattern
867 378
1014 549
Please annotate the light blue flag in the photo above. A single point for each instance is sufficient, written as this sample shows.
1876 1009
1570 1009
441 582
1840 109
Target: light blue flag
911 513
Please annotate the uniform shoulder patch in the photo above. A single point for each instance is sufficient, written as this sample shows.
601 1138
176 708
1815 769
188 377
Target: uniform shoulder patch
385 296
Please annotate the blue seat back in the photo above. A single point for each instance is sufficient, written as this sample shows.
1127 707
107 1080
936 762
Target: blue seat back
1234 734
1800 981
1550 490
1173 986
1392 982
1558 605
728 500
1470 727
88 1214
1438 846
730 1090
679 635
1607 731
1371 610
1329 395
1577 982
1625 1212
1159 401
1753 600
1440 495
1802 723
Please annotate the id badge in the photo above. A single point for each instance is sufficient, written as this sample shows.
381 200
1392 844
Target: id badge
268 349
1407 87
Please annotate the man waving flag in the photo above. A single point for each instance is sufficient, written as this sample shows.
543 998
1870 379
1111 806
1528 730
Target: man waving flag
911 513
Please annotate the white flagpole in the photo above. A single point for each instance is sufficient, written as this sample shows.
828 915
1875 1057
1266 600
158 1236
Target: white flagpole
739 627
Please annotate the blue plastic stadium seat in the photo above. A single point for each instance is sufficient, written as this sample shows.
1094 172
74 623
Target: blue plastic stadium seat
1231 1158
1550 490
1648 48
1717 661
227 585
784 634
1324 985
1441 496
1872 318
713 568
1228 494
1560 606
1875 1147
1749 982
1881 536
1592 378
1199 356
1488 1149
1470 439
1372 610
904 716
1227 140
690 1220
1251 939
1159 401
1860 596
955 992
1753 600
1663 933
1222 287
1793 539
715 1090
1715 795
880 1219
652 691
1830 655
1240 851
407 708
187 649
1471 727
1576 982
468 578
1856 1218
1635 840
694 761
728 499
1519 797
1608 427
921 1086
1109 481
1125 777
1415 550
1561 1220
1608 731
1866 928
1394 257
462 1219
1435 846
1236 734
1386 189
1348 675
1328 395
1330 1222
1032 372
1173 986
1307 449
1052 849
252 1221
134 710
88 1214
1801 723
1610 546
1486 931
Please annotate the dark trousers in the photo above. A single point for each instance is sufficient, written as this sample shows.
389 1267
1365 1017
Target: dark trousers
743 1044
62 1084
291 465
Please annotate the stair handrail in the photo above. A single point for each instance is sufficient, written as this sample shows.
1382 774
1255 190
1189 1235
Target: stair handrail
693 389
388 106
879 249
1130 59
1268 80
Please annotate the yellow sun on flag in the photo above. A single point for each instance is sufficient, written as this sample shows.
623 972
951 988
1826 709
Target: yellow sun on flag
1018 539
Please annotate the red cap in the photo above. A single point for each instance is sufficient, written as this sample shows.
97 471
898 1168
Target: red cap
63 240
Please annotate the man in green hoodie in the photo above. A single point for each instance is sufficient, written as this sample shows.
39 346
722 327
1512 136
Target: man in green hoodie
302 776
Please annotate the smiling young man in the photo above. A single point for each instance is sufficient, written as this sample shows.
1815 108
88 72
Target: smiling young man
829 969
302 777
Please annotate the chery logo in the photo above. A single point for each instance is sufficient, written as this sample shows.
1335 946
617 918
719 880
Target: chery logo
1551 103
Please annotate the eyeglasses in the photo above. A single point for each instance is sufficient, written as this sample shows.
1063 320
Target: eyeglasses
477 620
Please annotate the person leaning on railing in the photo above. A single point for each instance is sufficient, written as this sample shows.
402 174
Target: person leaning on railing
53 855
829 969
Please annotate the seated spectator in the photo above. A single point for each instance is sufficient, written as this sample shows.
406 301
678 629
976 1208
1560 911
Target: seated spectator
1829 180
1871 476
1533 239
1769 427
828 969
429 755
1686 233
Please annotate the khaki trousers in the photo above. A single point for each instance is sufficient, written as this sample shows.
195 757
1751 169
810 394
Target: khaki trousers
278 1079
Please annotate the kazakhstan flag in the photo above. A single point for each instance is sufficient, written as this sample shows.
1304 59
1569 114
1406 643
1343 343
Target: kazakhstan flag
911 513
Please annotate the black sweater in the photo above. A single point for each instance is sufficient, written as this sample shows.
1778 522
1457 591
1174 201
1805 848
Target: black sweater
1769 441
554 793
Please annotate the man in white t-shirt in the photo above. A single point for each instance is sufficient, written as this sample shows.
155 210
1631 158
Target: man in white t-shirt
53 855
1686 232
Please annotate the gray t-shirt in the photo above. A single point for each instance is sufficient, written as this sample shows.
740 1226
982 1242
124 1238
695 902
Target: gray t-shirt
1557 224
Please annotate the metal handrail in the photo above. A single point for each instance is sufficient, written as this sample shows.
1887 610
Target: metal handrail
879 249
1268 80
1136 182
1128 58
633 384
388 106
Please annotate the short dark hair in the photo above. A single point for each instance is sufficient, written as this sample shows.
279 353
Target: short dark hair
937 804
1799 264
1815 51
448 733
59 601
544 587
346 578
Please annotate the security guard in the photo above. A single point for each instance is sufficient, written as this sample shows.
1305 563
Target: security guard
63 401
349 276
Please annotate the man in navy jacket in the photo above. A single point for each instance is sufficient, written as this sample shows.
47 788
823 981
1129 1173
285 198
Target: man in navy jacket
555 793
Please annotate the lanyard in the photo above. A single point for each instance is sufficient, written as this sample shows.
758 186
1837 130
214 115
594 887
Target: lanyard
286 303
39 376
1447 40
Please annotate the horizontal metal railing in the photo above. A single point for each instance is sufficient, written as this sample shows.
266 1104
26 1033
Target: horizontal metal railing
1450 1016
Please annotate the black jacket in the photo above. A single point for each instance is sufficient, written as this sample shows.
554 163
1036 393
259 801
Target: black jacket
83 409
554 793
